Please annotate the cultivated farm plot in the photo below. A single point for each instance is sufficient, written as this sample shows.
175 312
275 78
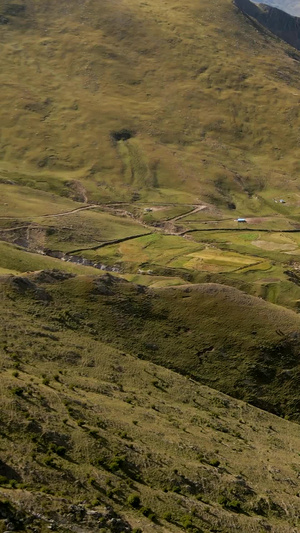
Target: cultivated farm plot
174 252
216 260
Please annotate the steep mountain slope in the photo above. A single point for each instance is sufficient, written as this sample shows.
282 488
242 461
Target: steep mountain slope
106 101
218 335
93 438
282 24
290 6
133 135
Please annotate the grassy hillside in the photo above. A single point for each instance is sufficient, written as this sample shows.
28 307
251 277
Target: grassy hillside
205 123
173 119
93 437
133 135
218 335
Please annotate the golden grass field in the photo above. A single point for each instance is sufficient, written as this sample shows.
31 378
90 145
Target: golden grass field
213 116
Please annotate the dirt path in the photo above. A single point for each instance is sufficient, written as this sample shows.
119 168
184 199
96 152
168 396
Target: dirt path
99 206
63 213
190 212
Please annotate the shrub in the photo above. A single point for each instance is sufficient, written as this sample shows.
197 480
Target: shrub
94 433
146 511
100 461
167 516
123 434
186 522
15 374
214 462
134 500
116 463
18 391
49 461
61 451
232 505
175 488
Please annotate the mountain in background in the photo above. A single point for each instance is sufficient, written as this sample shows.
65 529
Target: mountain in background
280 23
290 6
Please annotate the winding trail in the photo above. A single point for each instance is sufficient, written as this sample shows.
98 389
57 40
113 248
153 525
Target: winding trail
94 206
190 212
167 227
62 214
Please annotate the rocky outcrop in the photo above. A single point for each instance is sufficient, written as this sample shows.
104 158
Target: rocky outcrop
285 26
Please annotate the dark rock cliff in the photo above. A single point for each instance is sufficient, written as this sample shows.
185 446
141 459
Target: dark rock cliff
285 26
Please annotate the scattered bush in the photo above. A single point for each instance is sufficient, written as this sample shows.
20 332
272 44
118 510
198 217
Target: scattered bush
49 461
167 516
18 391
93 433
187 522
116 463
232 505
134 500
214 462
61 451
146 511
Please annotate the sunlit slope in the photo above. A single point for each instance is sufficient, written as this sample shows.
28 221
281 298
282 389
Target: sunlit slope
211 103
222 337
